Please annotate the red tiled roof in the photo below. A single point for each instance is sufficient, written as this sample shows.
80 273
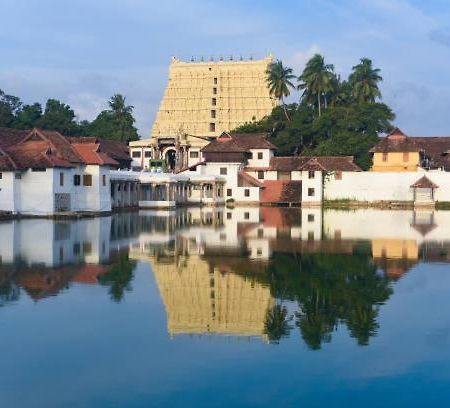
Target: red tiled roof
288 163
396 141
238 143
37 148
331 163
244 177
424 182
91 154
280 191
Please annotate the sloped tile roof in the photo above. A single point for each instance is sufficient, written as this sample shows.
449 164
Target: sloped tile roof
280 191
92 154
424 182
243 176
238 142
20 150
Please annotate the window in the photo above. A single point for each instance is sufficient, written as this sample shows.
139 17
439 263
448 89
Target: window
61 179
148 154
76 180
260 233
214 91
38 169
259 252
193 155
18 176
246 215
213 101
385 157
310 217
229 192
87 180
405 156
104 180
228 216
311 174
223 171
247 192
212 127
260 156
250 155
215 81
338 175
1 176
213 114
261 175
310 192
136 154
310 235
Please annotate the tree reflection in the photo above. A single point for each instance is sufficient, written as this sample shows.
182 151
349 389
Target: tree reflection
276 324
330 289
119 277
9 292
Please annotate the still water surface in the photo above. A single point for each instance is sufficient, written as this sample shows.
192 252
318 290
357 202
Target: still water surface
243 307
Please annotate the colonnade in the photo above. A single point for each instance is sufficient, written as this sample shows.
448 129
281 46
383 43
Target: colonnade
124 193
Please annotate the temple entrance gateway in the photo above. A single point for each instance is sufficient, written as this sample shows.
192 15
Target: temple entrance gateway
171 159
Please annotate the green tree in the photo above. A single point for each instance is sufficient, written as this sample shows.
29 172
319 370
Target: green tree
279 81
364 81
9 105
28 116
115 123
60 117
316 81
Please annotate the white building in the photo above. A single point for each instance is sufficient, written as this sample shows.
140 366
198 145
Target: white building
44 172
254 175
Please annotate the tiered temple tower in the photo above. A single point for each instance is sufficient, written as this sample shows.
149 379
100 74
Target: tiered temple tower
201 101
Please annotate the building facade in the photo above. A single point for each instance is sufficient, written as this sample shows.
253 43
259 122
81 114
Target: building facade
43 172
254 175
201 101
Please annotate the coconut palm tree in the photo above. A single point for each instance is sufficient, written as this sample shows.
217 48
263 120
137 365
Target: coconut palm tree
316 81
364 80
279 81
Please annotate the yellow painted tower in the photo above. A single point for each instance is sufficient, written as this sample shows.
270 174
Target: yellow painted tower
201 101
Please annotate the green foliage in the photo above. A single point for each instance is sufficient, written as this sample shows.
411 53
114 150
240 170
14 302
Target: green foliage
9 105
334 117
330 289
115 123
316 81
119 278
60 117
279 82
276 324
28 116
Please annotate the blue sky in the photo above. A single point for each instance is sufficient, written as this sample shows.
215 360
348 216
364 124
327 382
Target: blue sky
83 51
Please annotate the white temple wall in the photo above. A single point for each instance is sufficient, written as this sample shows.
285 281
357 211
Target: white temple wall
383 186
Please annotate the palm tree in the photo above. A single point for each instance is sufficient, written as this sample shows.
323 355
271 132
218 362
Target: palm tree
364 80
122 114
279 81
316 80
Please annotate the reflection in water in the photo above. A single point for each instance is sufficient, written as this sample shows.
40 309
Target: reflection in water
257 272
119 277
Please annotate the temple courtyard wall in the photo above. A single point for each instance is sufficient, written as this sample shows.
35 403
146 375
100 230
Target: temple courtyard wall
373 187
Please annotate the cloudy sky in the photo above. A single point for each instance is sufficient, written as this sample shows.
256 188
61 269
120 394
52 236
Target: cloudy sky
83 51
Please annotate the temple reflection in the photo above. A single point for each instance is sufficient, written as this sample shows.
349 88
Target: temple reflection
258 272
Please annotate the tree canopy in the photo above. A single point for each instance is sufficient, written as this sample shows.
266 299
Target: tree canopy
116 123
334 116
